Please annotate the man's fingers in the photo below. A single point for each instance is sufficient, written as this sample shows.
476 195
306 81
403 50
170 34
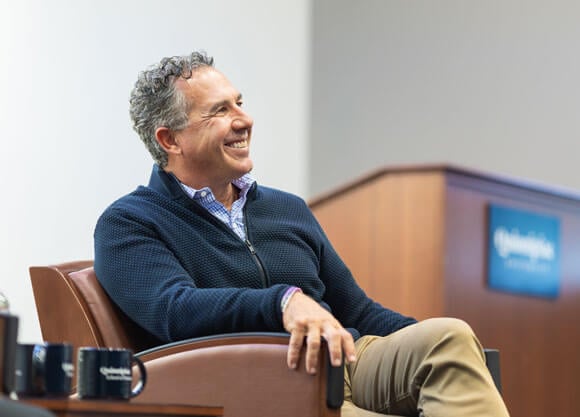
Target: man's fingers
303 317
294 347
334 343
312 348
348 347
339 342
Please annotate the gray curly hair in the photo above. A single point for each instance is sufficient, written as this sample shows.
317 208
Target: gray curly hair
155 102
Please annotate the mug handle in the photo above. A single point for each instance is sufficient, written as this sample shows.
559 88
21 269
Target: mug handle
142 377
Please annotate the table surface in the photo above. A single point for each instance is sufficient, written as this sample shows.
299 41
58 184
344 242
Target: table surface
97 408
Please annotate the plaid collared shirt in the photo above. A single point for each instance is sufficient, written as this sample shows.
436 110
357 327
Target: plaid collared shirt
234 218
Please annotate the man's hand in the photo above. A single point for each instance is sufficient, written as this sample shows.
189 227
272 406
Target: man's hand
303 317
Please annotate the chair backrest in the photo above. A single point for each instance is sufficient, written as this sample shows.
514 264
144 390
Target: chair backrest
73 307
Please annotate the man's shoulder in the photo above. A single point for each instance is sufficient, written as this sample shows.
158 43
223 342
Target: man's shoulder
138 196
275 202
137 202
275 194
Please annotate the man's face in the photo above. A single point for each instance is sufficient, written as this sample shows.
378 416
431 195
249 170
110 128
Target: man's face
216 144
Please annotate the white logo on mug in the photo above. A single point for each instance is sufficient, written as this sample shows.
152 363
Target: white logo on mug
115 374
68 368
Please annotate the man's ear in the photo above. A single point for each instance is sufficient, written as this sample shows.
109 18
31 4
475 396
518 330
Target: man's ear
166 139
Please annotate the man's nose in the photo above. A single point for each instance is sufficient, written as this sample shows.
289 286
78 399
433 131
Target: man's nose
242 121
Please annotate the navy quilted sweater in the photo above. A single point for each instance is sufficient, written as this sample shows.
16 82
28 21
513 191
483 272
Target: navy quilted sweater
179 272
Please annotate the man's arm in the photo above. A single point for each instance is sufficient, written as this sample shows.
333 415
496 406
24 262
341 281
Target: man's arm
350 307
147 281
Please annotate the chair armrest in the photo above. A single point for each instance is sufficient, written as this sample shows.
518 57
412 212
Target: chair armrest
213 340
246 373
492 362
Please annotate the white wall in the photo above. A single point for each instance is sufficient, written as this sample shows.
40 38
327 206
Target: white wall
67 69
493 85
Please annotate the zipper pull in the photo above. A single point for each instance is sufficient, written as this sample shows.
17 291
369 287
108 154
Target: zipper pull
250 247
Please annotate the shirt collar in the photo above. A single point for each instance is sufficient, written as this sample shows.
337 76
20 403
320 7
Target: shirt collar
244 183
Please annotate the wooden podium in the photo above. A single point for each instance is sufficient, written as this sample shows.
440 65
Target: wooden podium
415 238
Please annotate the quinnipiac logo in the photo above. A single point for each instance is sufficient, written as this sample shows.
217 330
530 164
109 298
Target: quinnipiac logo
115 374
523 252
512 242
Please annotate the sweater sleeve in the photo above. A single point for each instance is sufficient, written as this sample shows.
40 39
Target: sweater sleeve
146 280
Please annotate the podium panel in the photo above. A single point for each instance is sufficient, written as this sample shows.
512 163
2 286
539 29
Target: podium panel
416 241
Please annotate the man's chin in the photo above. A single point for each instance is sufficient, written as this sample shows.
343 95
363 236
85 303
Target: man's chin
243 170
247 168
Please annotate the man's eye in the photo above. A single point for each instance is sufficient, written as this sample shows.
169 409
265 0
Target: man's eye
240 103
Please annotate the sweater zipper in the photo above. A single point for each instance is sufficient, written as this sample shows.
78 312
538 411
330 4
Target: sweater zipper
261 270
252 250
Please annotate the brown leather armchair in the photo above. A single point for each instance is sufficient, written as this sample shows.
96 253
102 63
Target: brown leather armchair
245 373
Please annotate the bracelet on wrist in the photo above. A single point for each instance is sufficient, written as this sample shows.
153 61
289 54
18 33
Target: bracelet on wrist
287 296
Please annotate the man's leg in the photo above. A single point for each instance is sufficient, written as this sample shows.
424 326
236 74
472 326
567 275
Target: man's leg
435 368
348 409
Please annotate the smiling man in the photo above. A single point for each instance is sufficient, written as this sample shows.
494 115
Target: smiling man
203 249
213 149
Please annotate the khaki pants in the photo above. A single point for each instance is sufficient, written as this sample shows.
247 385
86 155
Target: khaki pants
435 368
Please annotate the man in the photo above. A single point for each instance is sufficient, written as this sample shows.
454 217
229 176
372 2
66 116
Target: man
204 249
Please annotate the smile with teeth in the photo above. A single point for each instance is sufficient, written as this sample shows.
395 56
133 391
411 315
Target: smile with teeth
239 144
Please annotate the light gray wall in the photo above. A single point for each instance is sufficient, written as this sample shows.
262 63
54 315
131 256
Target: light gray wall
68 148
493 85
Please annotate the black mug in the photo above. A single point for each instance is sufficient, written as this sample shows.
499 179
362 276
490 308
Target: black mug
44 369
105 373
27 371
8 337
58 368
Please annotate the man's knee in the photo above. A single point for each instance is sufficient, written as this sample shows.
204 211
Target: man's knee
449 326
421 340
445 330
453 336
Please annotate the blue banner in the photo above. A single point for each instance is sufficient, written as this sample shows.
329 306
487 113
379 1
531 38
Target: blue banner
523 252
